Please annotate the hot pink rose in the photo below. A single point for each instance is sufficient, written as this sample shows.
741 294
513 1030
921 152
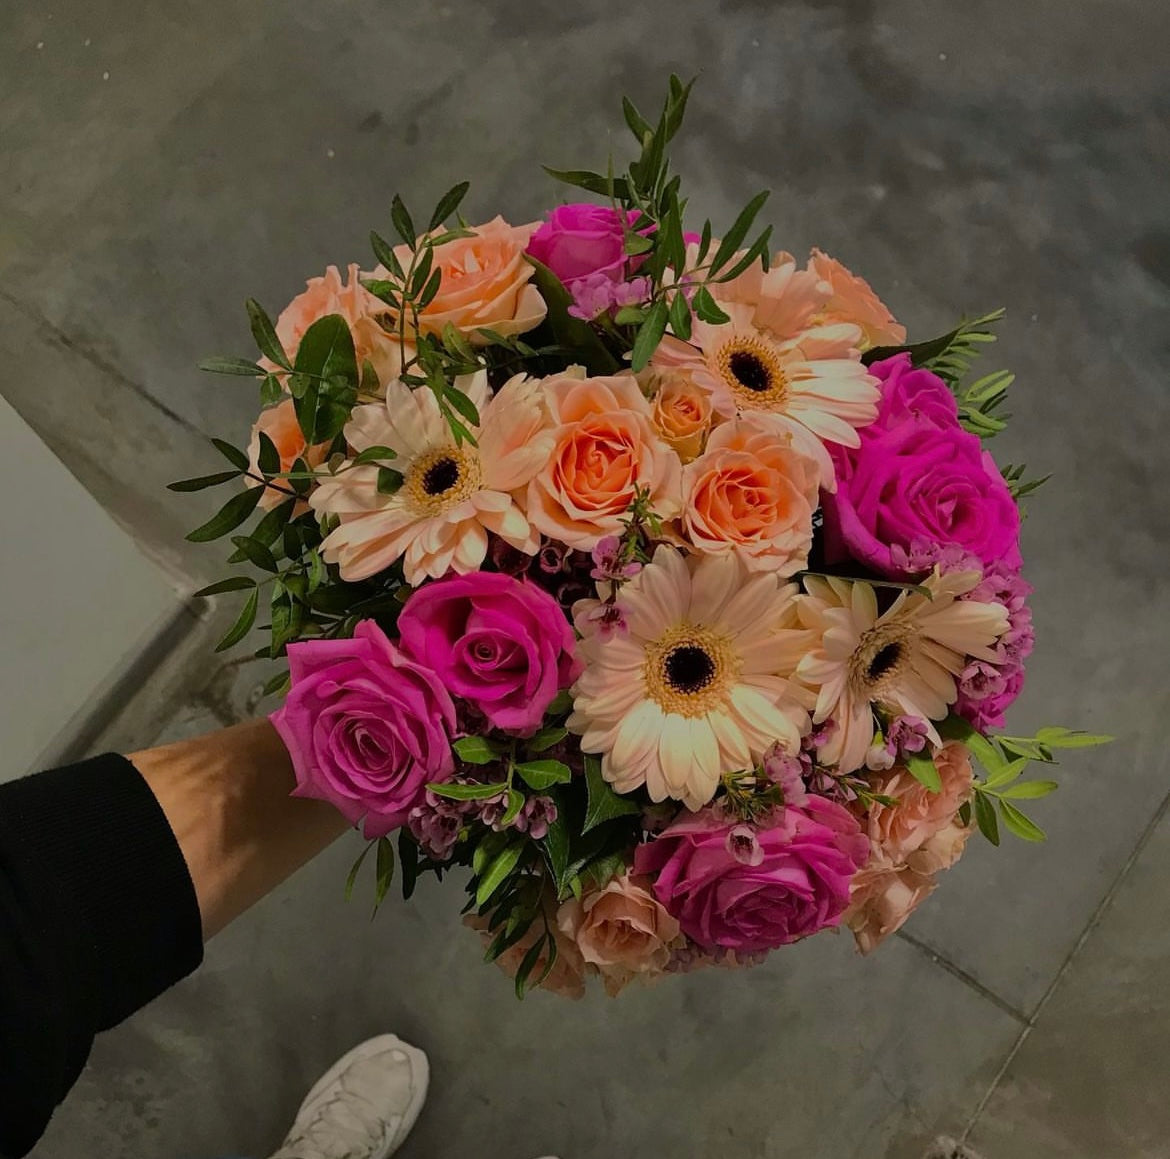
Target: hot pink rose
917 477
366 727
500 643
582 239
751 890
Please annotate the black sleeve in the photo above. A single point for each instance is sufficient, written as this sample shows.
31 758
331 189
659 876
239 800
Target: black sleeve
98 916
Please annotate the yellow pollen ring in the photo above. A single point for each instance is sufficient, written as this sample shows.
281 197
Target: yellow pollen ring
463 463
720 669
753 372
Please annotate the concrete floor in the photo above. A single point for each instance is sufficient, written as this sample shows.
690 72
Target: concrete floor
161 162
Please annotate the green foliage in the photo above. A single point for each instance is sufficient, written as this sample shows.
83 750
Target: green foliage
326 378
924 770
238 366
476 750
540 775
265 334
604 804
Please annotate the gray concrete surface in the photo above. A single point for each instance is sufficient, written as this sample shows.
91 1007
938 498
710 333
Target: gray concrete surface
963 156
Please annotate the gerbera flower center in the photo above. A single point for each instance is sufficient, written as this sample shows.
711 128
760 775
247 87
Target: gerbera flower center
752 370
442 477
881 655
689 669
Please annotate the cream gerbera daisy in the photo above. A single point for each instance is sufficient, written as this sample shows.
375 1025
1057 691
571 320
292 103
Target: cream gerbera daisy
812 385
451 496
903 661
698 685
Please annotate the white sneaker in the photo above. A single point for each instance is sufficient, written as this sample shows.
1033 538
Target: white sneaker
364 1106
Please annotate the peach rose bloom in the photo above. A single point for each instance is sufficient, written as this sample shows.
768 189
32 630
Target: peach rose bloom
942 850
897 831
622 929
567 977
754 493
485 283
882 897
327 295
854 301
280 424
604 449
681 411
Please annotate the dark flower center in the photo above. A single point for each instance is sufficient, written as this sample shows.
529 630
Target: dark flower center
749 370
885 661
440 476
689 669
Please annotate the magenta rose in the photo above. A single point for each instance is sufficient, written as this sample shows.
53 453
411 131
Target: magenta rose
582 239
735 886
500 643
917 478
366 727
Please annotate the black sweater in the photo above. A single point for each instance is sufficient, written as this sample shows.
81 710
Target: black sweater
97 917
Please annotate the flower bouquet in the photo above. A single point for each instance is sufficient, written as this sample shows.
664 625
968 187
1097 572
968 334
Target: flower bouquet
647 575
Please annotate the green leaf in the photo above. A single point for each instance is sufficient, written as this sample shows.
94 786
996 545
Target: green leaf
353 873
487 850
462 404
498 872
549 962
649 335
421 271
385 254
570 332
1023 827
1006 774
268 530
326 352
639 126
255 553
475 750
1027 790
228 517
389 481
408 858
270 391
600 872
604 804
631 316
516 801
279 683
541 775
594 182
637 243
676 106
402 222
448 203
318 572
466 792
385 871
734 237
234 455
430 290
965 814
235 583
956 728
562 703
985 818
707 309
680 316
1067 738
243 624
240 366
923 770
373 455
547 737
506 937
555 846
269 457
265 334
754 253
203 481
528 964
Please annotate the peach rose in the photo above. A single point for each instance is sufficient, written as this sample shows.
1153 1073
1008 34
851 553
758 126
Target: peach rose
754 493
567 977
897 831
882 897
942 850
855 302
280 424
622 929
485 283
681 411
605 448
327 295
